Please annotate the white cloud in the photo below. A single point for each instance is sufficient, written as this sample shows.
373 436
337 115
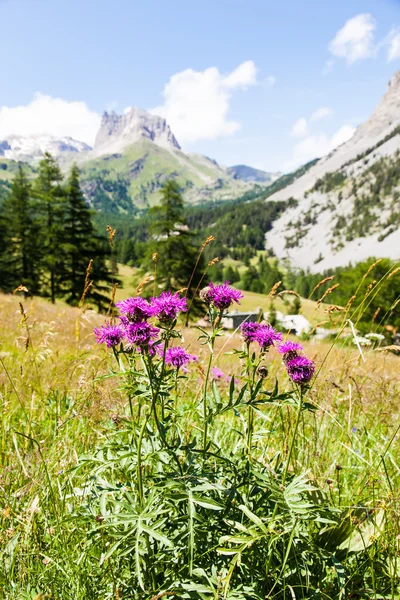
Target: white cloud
50 116
270 81
315 146
241 77
394 45
196 103
355 40
321 113
299 127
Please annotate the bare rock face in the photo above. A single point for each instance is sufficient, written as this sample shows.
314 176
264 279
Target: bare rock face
119 131
32 148
384 119
347 207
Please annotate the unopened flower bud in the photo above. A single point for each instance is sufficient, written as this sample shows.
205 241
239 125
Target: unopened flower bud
205 295
262 372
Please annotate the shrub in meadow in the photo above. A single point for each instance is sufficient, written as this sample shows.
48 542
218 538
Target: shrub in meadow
186 498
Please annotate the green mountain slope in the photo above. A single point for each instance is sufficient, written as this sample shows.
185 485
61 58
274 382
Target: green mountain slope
9 167
132 179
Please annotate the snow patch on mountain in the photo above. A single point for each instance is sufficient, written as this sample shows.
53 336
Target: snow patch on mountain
32 148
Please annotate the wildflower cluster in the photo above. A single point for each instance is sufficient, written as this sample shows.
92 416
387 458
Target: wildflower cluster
137 333
262 333
299 368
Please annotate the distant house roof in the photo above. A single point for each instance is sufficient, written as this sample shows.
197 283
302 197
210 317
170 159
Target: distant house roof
233 319
298 323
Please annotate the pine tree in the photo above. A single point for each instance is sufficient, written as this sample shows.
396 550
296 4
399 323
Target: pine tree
172 241
19 252
296 306
50 205
80 245
231 274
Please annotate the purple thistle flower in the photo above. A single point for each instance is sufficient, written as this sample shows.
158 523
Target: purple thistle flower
140 334
178 357
300 369
135 309
167 306
217 373
266 336
111 335
223 295
289 350
249 331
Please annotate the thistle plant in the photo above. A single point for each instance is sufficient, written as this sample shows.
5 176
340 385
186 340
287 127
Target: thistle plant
185 498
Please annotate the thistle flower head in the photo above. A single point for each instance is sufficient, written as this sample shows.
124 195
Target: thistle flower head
111 335
289 350
178 357
289 346
249 331
217 373
300 369
135 309
140 333
223 295
167 306
266 336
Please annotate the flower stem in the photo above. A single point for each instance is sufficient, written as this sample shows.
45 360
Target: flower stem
205 408
139 461
291 447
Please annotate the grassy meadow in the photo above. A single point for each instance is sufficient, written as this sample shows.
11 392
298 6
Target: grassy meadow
57 407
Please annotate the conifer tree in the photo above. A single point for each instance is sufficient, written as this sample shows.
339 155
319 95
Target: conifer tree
296 306
80 245
171 239
19 252
50 205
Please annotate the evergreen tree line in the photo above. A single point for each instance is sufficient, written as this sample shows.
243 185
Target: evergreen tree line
48 238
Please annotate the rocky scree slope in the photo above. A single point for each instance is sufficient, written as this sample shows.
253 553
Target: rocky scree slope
349 201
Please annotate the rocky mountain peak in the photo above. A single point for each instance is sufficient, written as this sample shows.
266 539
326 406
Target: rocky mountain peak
347 202
381 124
119 131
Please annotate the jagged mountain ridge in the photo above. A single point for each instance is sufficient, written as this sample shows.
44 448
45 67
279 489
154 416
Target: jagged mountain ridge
349 201
133 155
120 131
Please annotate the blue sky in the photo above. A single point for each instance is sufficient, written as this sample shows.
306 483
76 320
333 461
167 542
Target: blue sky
261 82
